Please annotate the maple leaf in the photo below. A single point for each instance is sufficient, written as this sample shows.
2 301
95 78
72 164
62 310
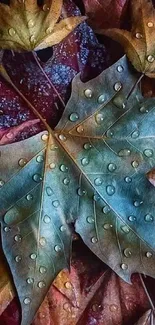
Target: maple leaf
90 170
26 26
139 43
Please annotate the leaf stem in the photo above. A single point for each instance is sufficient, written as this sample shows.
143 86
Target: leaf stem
48 79
135 85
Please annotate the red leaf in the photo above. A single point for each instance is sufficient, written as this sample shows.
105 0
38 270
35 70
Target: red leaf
105 13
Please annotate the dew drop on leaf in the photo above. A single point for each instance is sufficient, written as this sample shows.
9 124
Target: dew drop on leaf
150 24
30 280
135 134
81 191
84 161
62 228
132 218
106 209
127 252
124 266
74 117
56 203
107 226
27 301
109 133
112 167
41 284
42 269
101 99
88 93
30 23
1 182
37 178
18 258
99 118
149 218
149 254
135 164
57 248
117 86
66 181
143 109
128 179
94 240
40 159
12 32
18 238
42 241
110 189
49 191
87 146
63 168
120 68
137 203
80 129
124 153
33 256
29 197
150 58
68 285
139 35
98 181
90 219
148 153
52 166
22 162
125 229
46 8
6 229
113 308
62 137
47 219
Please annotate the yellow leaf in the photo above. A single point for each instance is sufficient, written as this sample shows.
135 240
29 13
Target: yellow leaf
24 26
139 43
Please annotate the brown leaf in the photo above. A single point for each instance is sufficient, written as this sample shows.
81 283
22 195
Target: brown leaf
105 13
6 288
139 43
26 26
151 176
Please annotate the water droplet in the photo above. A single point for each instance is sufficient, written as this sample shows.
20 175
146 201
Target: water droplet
32 39
66 181
94 240
137 203
124 153
41 284
42 269
1 182
63 168
112 167
49 30
150 24
62 137
27 301
67 307
117 86
135 164
63 228
88 93
68 285
107 226
98 181
40 159
124 266
96 197
99 118
47 219
143 109
52 165
29 197
46 8
139 36
132 218
150 58
127 252
113 308
81 191
18 238
30 23
42 241
119 102
56 203
37 178
84 161
109 133
120 68
18 258
110 190
6 229
135 134
54 147
148 153
30 280
106 209
74 117
125 229
87 146
57 248
12 32
22 162
49 191
90 219
80 129
101 99
96 307
149 218
149 254
33 256
128 179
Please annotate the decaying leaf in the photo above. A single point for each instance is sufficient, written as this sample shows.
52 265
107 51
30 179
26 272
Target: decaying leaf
26 26
90 170
139 43
6 288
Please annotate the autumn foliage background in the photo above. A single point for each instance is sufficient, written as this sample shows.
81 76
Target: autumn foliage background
92 294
